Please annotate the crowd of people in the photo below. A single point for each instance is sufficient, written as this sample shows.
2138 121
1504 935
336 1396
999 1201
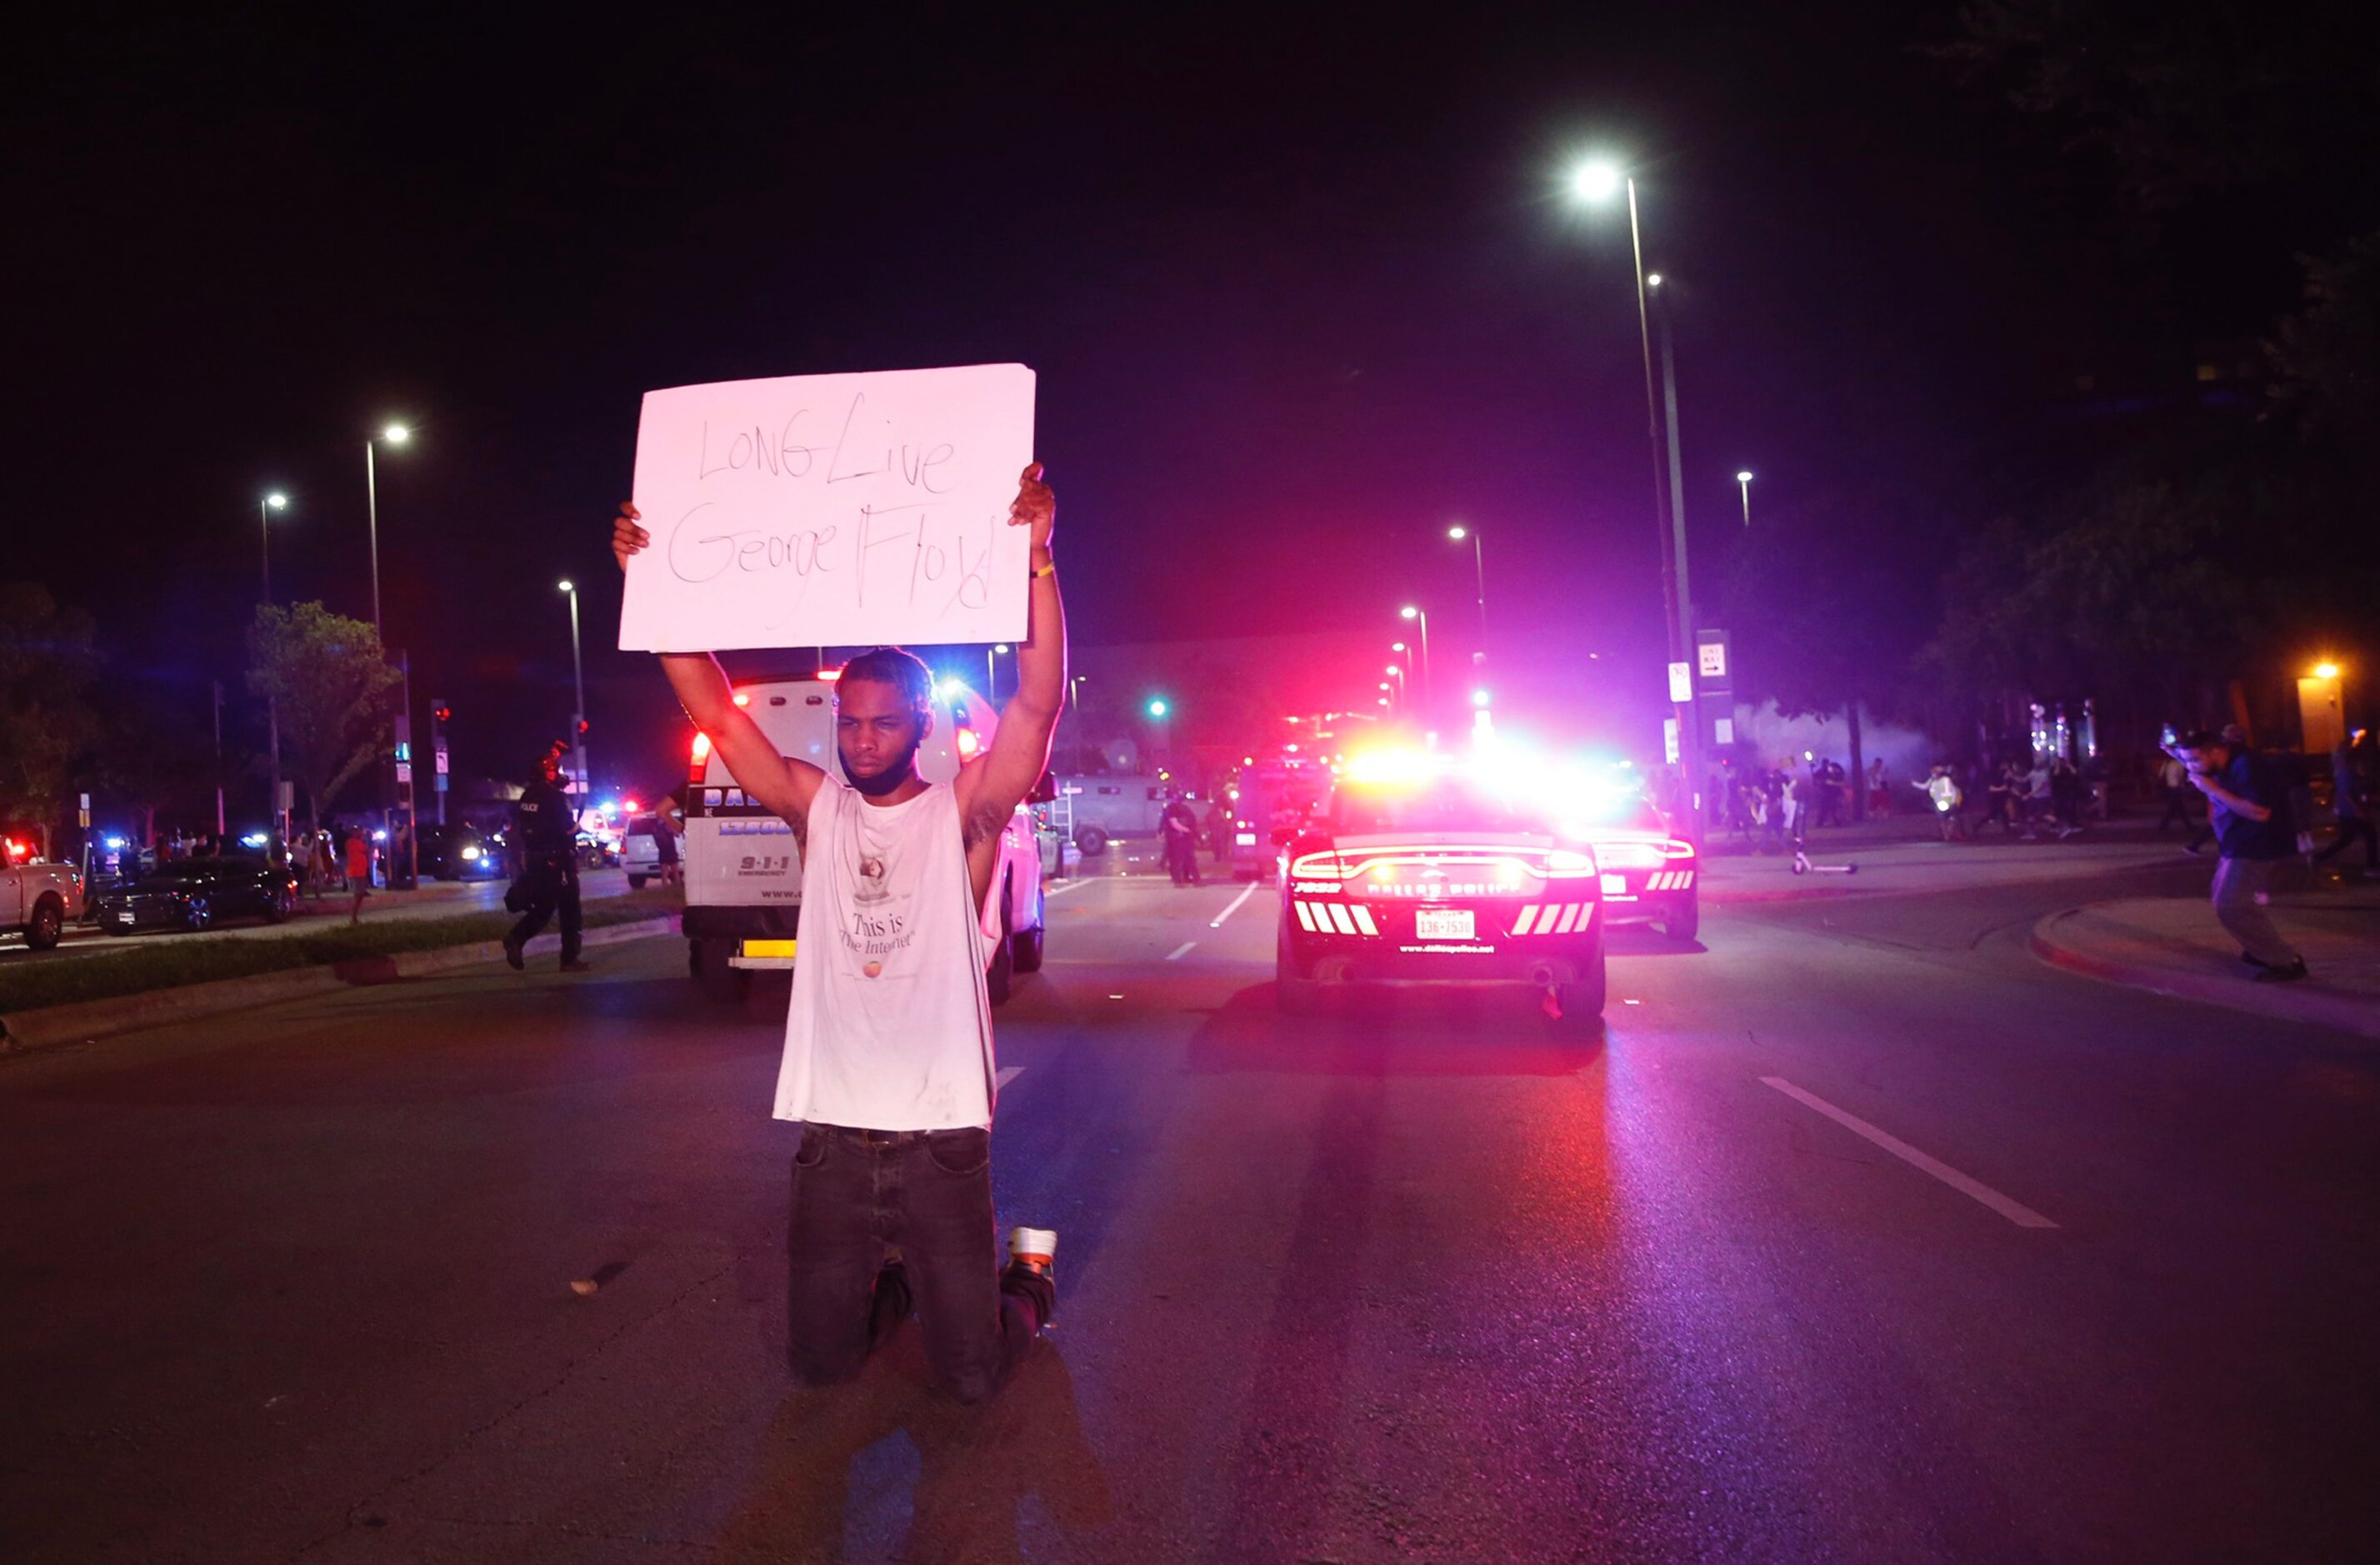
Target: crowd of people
1773 806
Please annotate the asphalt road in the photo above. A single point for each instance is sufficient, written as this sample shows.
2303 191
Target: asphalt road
1859 1235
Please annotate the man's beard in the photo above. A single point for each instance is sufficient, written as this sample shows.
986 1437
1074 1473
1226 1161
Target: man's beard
888 780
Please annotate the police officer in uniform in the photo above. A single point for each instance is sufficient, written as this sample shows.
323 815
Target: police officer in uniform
545 850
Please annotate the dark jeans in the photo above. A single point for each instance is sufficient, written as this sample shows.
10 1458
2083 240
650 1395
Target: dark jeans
554 887
2176 808
858 1193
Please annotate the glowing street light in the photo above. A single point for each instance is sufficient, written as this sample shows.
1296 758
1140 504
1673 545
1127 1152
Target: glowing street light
1596 181
276 501
1458 532
1158 707
1743 480
1421 616
390 434
578 687
2326 669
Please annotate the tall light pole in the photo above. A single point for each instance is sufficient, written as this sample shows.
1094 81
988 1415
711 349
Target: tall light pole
579 689
991 673
276 501
1479 576
1422 615
1743 481
1598 182
394 434
1397 672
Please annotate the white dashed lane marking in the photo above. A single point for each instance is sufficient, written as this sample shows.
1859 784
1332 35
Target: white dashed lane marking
2015 1211
1179 951
1237 903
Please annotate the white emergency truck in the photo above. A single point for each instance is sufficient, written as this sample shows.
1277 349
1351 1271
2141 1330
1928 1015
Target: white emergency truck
37 898
744 873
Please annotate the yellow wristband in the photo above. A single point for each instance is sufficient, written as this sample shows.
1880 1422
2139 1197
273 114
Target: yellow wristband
1048 570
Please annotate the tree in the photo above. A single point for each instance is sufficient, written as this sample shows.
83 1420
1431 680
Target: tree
48 667
333 684
2120 592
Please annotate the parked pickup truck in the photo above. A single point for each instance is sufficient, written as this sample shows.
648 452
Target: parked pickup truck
36 899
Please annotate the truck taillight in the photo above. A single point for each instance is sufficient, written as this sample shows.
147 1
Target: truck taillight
701 754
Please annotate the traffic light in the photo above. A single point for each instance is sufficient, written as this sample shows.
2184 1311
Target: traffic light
1157 707
441 711
582 728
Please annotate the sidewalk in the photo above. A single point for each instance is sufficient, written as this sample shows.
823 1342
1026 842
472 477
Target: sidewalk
2173 946
1904 857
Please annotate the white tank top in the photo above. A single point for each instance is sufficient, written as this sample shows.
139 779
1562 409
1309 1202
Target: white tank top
890 1027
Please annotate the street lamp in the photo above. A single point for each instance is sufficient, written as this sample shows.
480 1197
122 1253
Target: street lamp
1743 481
276 501
578 687
392 434
991 673
1422 617
1480 573
1599 181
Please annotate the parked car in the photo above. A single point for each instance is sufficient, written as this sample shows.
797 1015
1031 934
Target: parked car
36 898
198 893
463 852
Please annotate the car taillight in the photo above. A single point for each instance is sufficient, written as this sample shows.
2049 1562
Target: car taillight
701 754
1323 866
968 743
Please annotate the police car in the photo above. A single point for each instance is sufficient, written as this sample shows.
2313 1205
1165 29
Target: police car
1417 874
1648 873
744 873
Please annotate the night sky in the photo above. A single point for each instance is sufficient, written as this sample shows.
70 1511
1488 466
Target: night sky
1299 293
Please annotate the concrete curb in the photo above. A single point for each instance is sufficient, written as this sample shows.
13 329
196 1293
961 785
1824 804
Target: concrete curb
2342 1012
24 1031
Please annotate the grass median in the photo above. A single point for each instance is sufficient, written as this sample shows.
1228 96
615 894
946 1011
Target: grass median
140 968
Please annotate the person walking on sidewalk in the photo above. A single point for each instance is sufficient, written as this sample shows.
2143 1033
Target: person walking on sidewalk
2350 799
888 1064
545 863
360 872
2248 805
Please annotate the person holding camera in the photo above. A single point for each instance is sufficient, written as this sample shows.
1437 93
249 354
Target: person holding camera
2248 806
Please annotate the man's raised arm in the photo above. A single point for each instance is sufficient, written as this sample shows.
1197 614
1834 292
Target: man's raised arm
1020 747
787 786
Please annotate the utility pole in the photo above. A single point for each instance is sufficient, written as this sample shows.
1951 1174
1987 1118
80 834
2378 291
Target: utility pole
219 787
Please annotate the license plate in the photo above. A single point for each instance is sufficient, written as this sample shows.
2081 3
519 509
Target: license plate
1444 923
768 948
1247 839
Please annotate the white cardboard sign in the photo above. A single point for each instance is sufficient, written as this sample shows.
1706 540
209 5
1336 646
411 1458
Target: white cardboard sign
832 511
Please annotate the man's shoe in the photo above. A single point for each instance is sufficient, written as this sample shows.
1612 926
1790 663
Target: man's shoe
575 966
512 955
2268 974
1032 1269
